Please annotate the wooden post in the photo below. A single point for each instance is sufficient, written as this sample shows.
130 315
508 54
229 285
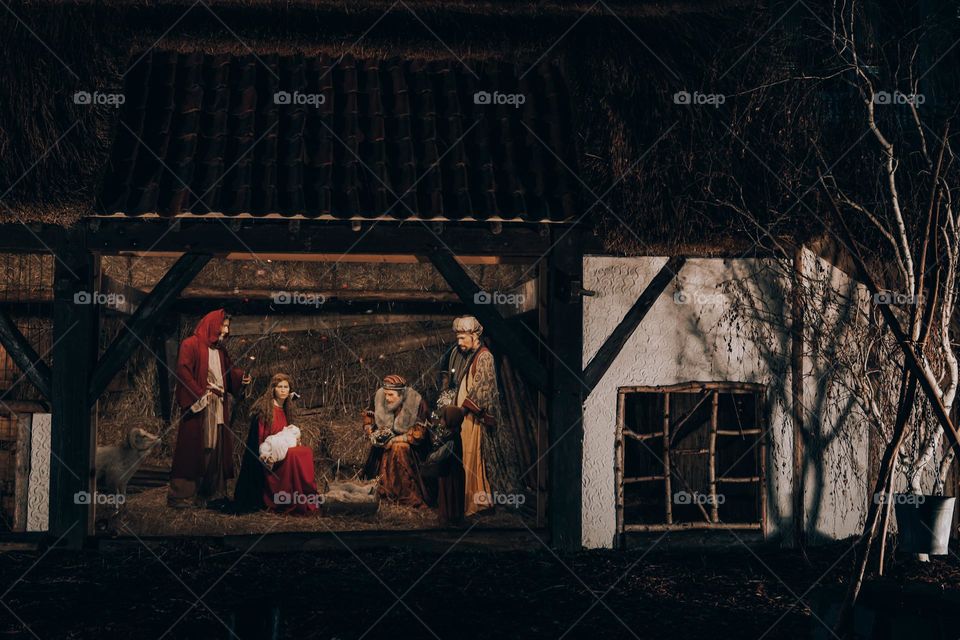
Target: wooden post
714 507
164 342
22 485
618 463
761 411
543 441
668 497
566 387
75 341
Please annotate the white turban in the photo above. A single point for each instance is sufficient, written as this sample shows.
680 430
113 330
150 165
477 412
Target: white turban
467 324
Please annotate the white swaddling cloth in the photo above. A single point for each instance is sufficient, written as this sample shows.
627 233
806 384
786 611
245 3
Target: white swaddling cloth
274 448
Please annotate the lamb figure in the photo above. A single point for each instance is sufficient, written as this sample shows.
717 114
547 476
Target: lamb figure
116 464
274 448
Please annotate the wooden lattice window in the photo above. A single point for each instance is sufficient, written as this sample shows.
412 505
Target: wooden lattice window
691 456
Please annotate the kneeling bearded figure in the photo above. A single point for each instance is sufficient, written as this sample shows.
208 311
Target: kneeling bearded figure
396 431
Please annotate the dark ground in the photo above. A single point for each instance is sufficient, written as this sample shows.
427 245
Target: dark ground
127 590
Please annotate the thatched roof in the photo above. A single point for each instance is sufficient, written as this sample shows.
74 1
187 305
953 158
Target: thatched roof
620 64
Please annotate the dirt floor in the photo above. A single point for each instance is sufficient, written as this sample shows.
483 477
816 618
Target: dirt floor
200 589
146 514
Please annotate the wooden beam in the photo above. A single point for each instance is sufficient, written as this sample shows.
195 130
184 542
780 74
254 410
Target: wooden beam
678 526
112 236
694 387
644 479
566 390
23 406
73 436
22 481
619 447
642 436
24 355
667 467
319 295
712 470
136 329
739 432
261 325
132 297
493 323
612 346
376 258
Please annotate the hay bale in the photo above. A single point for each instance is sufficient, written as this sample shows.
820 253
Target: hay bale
348 444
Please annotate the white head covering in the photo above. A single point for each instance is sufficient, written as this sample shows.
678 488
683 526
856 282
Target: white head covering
467 324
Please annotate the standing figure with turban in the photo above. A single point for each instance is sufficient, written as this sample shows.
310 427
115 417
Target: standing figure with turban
397 431
489 459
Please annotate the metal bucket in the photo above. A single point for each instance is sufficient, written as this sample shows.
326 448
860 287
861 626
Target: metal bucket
924 523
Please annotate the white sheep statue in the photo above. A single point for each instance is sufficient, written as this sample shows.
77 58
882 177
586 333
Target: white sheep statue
116 464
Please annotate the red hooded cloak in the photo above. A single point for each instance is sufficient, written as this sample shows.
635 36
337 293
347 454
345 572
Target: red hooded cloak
192 363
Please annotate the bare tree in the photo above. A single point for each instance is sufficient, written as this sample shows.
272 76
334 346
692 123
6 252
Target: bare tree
914 214
878 147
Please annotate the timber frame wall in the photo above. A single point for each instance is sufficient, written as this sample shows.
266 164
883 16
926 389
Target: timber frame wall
79 374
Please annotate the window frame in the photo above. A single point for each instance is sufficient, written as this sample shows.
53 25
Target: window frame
760 430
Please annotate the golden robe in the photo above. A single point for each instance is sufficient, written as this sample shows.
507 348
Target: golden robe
477 493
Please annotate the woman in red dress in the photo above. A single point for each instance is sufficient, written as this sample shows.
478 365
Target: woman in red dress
288 487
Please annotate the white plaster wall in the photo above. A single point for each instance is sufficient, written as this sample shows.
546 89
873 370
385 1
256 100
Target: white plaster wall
720 320
837 448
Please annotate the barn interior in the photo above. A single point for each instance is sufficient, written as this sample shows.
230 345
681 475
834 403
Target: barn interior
336 324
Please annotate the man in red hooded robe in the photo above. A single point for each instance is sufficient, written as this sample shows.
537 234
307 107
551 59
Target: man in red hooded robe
203 458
